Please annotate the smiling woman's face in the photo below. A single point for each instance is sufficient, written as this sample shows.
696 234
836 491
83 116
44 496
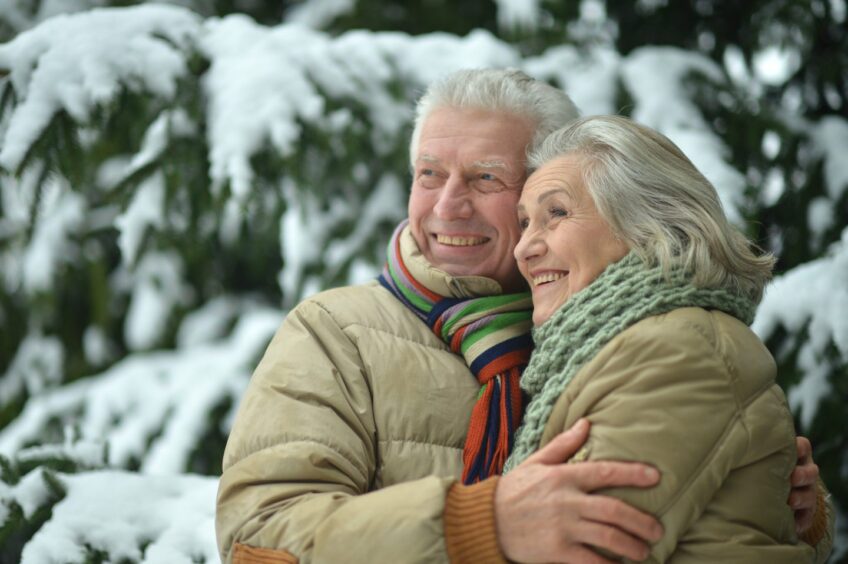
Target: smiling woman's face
565 244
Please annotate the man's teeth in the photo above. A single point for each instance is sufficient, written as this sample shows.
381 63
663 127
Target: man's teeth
548 277
460 241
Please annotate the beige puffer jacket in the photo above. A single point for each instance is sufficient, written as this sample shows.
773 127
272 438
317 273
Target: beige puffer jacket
692 392
351 432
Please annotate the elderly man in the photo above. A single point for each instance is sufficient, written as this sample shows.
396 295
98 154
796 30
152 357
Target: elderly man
372 401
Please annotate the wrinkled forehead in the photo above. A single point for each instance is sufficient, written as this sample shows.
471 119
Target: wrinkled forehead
562 175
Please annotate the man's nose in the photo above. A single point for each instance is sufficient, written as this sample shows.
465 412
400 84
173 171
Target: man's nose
454 200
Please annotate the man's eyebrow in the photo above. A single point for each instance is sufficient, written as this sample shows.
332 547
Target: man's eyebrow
490 164
427 158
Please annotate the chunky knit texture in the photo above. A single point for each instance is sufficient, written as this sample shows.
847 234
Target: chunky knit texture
625 293
493 335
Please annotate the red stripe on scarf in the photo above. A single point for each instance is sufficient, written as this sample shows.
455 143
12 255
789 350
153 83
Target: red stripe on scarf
502 364
476 431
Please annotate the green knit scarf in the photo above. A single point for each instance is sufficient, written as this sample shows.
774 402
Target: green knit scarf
625 293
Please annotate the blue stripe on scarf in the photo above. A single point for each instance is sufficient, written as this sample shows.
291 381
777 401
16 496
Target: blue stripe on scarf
516 343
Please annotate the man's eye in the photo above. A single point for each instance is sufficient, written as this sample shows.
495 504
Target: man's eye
427 172
487 176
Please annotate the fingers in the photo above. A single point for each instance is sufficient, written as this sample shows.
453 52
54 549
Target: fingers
614 512
591 476
612 539
805 450
584 555
803 520
802 498
804 476
563 446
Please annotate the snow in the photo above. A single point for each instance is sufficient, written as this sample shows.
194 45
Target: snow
151 407
812 296
29 494
319 13
518 14
158 288
385 205
60 214
830 137
776 64
655 77
146 210
589 76
173 513
36 366
119 47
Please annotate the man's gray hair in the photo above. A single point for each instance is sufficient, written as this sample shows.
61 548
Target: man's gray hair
657 202
498 90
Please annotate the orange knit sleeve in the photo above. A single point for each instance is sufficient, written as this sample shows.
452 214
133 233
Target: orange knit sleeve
469 521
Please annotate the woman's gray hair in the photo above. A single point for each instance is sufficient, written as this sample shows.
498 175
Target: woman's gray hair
657 202
497 90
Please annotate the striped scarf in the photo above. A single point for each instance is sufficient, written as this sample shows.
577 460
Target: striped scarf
493 335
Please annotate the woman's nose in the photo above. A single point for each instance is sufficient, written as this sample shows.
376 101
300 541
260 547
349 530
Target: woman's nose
529 246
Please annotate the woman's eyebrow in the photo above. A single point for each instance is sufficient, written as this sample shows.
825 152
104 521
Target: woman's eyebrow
554 192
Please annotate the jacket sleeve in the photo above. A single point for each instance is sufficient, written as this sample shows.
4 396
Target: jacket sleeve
302 456
666 398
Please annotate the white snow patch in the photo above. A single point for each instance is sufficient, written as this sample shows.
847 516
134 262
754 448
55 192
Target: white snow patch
30 493
60 214
120 49
589 77
38 364
163 396
157 288
830 136
518 14
118 512
655 77
775 64
146 210
319 13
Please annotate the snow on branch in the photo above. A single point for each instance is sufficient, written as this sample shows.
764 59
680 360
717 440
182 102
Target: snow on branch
73 63
814 297
151 408
656 78
130 517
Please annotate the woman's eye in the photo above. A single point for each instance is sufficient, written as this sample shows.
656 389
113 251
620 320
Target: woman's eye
523 223
558 212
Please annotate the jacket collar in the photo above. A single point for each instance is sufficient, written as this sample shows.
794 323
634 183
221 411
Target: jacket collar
438 280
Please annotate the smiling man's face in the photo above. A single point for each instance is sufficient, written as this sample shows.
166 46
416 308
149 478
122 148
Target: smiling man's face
467 179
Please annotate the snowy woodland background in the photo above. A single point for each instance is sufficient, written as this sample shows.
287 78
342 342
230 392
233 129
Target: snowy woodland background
174 177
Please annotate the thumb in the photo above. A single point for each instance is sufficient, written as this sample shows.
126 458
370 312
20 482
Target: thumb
563 446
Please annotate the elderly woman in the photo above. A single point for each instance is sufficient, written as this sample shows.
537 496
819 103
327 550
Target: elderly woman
643 293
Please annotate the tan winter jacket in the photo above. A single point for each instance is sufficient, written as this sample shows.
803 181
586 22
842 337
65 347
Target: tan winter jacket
692 392
349 437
